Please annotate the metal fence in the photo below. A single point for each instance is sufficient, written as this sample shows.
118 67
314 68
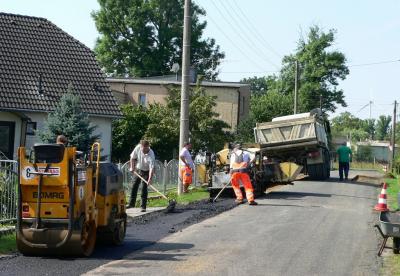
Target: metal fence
165 179
8 190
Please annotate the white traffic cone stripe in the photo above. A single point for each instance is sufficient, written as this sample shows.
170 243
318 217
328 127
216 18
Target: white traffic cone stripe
382 200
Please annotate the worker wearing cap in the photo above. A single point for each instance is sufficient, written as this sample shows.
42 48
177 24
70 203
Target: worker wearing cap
239 164
186 166
142 162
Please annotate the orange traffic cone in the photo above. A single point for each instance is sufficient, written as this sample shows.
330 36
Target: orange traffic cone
382 205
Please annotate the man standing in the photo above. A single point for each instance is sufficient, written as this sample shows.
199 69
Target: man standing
186 166
142 162
345 155
239 165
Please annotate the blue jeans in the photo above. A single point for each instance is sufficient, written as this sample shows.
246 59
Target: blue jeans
344 166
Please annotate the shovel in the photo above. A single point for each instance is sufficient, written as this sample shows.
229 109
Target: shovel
171 202
220 192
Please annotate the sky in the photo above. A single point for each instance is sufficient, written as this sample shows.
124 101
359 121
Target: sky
256 34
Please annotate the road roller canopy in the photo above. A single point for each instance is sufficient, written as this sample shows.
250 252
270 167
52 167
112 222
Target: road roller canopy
48 153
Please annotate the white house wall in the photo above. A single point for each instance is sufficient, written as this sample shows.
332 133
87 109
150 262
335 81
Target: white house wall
39 119
103 129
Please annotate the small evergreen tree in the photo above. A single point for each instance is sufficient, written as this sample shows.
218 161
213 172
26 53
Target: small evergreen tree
70 120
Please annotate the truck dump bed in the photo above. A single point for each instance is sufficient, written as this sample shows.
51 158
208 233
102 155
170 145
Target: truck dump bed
294 133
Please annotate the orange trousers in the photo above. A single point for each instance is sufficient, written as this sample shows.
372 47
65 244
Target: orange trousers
238 177
186 176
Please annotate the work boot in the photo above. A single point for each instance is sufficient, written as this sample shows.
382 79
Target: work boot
253 202
239 201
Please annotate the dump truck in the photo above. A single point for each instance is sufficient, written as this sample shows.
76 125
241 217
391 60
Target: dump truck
66 201
282 150
299 138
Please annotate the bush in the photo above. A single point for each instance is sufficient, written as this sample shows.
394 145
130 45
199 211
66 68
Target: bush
364 154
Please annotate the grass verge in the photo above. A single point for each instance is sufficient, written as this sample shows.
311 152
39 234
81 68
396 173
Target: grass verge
360 165
194 194
393 189
7 244
391 264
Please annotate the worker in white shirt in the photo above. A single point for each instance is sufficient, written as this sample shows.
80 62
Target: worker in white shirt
186 166
142 162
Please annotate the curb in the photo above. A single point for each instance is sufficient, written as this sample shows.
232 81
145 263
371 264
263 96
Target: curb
7 230
143 216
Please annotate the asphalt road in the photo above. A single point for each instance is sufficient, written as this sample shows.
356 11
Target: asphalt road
311 228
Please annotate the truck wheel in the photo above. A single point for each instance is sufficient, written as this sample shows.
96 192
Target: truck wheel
259 189
316 171
327 164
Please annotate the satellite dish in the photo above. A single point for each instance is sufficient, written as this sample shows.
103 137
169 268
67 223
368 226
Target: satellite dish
175 67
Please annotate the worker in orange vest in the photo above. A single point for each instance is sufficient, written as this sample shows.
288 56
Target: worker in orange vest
239 166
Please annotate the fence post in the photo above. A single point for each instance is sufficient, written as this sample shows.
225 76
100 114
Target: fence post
164 181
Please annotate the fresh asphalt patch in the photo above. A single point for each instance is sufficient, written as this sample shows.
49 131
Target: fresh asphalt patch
141 232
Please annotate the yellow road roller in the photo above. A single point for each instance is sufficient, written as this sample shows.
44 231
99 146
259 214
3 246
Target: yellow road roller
66 201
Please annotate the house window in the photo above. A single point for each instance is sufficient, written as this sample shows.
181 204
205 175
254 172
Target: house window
142 99
7 139
30 128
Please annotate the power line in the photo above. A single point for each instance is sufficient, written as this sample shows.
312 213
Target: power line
234 44
373 63
257 34
250 45
245 33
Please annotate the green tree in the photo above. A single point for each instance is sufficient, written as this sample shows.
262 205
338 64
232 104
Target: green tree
364 153
398 134
383 127
128 131
206 131
345 121
369 127
356 129
69 119
320 71
260 85
144 38
264 108
160 125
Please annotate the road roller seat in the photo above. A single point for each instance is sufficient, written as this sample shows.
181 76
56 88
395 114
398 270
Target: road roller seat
48 153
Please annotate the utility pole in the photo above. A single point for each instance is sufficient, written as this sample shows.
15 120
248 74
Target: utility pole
184 124
296 83
370 110
393 141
